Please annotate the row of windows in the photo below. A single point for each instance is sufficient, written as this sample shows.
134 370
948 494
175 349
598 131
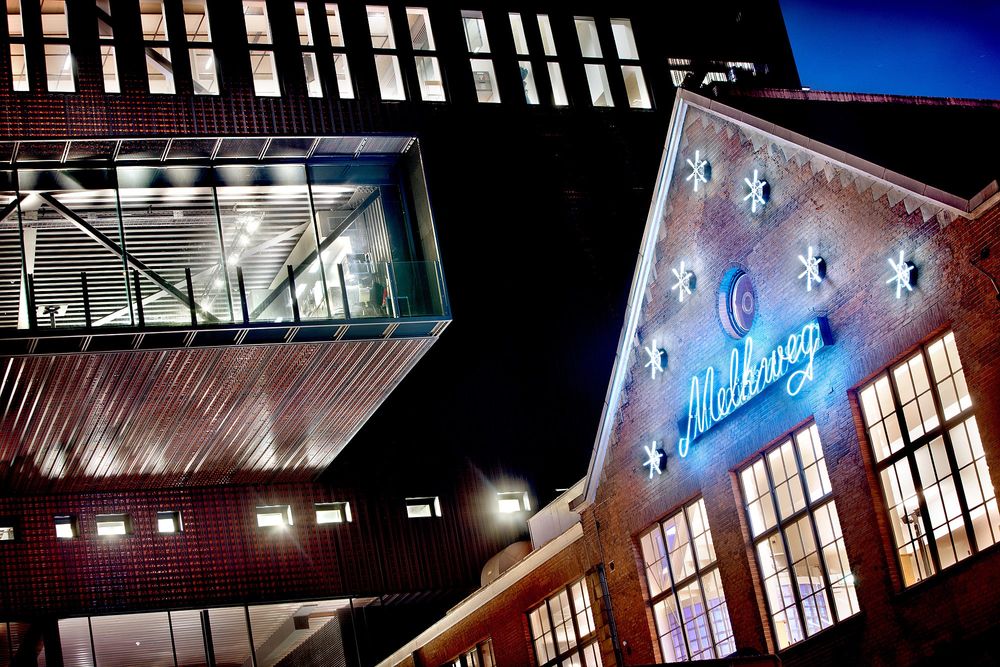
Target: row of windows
267 516
160 71
480 655
936 486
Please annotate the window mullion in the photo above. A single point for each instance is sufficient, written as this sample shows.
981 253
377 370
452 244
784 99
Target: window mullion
701 585
673 590
784 541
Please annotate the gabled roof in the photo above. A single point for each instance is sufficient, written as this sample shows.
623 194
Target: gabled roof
892 129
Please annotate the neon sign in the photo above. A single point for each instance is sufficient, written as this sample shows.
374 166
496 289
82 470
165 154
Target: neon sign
793 359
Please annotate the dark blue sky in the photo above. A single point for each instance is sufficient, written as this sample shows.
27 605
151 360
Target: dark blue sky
943 48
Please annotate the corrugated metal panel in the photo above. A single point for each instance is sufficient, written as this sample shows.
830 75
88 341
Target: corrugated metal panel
130 420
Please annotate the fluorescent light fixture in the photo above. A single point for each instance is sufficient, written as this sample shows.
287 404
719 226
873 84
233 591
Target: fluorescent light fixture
111 525
339 512
423 507
274 516
169 522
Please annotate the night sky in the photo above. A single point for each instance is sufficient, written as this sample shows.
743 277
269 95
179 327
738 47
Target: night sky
908 47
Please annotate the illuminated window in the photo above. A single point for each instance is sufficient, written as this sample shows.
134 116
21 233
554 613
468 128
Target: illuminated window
66 527
390 78
341 69
559 98
106 37
8 532
428 68
113 524
274 516
159 67
59 66
796 535
423 507
310 64
18 63
563 631
333 512
597 73
262 61
513 501
635 83
480 655
930 460
525 67
169 522
483 75
204 69
682 571
680 69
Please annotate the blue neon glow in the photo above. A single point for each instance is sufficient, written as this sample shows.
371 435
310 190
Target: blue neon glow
707 407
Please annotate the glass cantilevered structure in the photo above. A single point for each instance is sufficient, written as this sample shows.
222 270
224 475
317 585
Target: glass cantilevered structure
188 242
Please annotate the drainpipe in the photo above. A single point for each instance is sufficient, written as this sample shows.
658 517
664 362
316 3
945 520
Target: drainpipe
606 594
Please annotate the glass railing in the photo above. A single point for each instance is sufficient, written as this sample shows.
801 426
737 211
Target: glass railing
346 291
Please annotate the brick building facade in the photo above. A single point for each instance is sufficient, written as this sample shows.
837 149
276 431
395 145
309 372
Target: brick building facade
773 468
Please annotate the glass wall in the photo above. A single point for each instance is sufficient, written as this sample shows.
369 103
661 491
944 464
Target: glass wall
188 246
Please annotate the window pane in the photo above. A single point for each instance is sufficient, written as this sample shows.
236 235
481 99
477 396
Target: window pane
597 83
517 29
624 39
265 75
333 24
15 27
380 27
485 80
548 42
344 86
18 68
590 45
420 28
255 17
302 21
429 76
475 32
528 82
635 87
149 639
203 73
390 79
109 65
668 626
196 21
313 84
54 23
559 98
59 68
159 70
154 23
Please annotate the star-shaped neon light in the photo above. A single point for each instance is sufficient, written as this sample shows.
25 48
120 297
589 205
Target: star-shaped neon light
758 192
814 269
684 283
903 275
701 170
655 363
653 461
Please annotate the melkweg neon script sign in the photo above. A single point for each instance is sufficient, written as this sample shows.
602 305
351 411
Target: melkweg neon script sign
793 359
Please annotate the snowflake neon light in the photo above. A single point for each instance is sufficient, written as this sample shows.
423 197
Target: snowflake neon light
655 363
684 284
701 170
653 461
759 191
814 269
903 277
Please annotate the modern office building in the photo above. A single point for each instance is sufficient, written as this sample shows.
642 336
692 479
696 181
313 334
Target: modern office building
799 453
225 229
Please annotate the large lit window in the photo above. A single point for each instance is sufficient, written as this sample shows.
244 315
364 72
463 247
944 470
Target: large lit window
480 655
274 516
262 62
483 75
66 527
563 630
593 59
204 70
310 64
428 68
110 525
390 78
339 512
159 68
682 571
18 62
341 69
511 502
169 521
628 54
525 68
930 460
59 75
559 98
106 37
796 534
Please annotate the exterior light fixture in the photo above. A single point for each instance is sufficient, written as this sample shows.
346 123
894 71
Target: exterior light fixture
654 457
815 269
685 282
701 170
760 192
903 277
657 359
